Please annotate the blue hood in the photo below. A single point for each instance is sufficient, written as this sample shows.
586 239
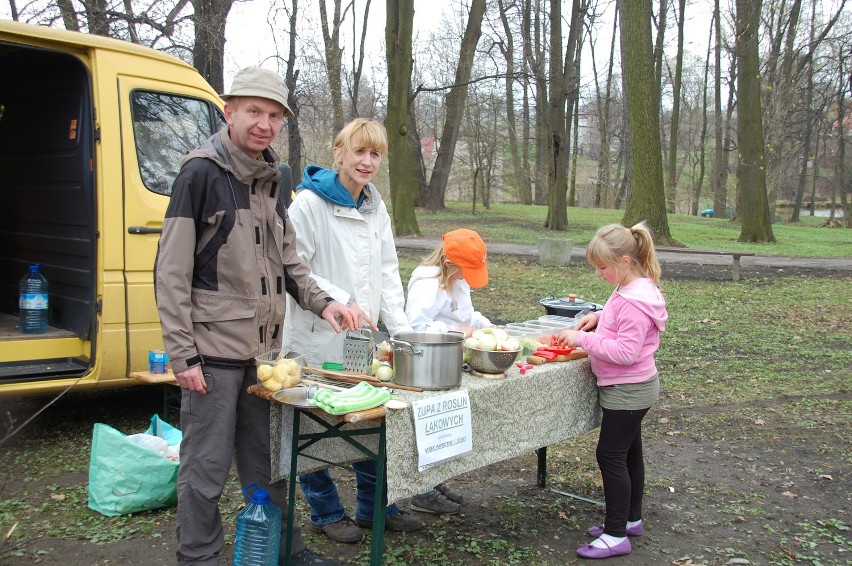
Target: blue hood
325 183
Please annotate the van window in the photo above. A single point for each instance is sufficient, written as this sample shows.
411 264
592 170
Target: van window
166 126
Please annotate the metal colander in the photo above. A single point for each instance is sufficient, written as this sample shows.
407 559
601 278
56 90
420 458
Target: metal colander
358 351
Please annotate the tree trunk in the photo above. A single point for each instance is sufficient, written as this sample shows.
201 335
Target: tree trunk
294 135
806 146
358 61
96 16
333 60
720 157
672 179
208 53
66 9
403 164
646 200
557 168
455 102
534 54
522 186
840 167
659 44
753 207
703 138
605 194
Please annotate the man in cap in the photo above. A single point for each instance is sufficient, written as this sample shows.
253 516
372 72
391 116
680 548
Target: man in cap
226 258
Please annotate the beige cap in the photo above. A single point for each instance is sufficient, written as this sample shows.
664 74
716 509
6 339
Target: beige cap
262 83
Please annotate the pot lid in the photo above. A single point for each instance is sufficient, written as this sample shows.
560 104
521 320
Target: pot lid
570 302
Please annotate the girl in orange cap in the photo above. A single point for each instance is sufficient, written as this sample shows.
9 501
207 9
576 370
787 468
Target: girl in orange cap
438 301
439 288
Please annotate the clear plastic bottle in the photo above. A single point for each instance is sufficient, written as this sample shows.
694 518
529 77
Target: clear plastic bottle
33 317
258 539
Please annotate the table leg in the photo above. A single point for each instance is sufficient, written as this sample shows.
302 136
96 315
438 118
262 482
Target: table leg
291 495
541 471
380 508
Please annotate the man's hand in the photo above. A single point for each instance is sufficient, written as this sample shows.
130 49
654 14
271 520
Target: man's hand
192 379
337 310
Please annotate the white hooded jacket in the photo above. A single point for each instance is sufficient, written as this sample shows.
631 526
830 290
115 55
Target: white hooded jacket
352 254
433 309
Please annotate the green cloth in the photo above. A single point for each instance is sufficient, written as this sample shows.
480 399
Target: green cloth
362 396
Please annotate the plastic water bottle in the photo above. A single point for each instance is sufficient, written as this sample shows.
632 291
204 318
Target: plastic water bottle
33 302
258 539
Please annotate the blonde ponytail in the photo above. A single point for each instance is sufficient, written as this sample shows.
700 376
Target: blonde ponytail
614 241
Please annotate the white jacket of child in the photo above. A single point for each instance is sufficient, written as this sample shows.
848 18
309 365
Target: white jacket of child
430 308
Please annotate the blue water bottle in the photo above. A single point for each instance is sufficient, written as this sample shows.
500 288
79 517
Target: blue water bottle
32 302
258 539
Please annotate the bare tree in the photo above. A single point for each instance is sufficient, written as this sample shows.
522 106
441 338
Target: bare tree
403 164
557 165
752 204
507 48
333 59
646 200
434 195
671 170
208 52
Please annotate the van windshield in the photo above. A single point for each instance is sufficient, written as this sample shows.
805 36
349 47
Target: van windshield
166 126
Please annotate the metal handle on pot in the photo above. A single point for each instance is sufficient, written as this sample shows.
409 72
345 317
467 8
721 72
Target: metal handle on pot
394 343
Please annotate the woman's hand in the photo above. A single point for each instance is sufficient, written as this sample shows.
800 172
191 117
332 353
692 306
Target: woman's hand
361 317
588 322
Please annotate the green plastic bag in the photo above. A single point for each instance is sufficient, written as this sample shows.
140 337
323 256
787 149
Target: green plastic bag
125 477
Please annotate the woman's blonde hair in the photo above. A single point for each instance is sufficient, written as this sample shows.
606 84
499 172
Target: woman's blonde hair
362 132
614 241
448 270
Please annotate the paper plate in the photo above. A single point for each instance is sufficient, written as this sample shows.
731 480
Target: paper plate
396 404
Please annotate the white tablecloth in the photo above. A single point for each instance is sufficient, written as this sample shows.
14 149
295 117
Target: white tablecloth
510 417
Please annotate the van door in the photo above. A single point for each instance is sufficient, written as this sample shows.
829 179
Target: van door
160 123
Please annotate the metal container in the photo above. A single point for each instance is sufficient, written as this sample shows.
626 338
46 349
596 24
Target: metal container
490 361
429 360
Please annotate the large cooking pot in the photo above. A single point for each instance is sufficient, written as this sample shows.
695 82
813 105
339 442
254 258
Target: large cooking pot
569 306
429 360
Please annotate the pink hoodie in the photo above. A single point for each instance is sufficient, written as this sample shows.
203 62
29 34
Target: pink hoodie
621 349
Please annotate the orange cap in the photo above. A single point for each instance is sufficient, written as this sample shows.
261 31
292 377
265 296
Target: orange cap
467 250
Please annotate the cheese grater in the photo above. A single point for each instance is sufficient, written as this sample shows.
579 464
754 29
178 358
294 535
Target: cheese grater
358 351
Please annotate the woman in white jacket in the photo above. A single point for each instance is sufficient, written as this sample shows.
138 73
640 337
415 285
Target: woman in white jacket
343 233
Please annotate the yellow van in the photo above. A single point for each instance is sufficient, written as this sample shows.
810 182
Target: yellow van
92 131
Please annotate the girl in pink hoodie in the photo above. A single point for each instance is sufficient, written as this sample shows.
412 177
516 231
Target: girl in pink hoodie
621 340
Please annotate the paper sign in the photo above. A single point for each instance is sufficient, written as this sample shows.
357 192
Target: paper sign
442 428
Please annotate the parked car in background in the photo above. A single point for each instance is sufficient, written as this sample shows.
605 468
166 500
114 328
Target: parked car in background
729 212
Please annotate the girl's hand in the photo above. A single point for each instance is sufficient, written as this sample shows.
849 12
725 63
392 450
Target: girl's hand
588 322
468 330
566 338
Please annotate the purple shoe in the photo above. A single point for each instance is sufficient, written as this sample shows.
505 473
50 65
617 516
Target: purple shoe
634 531
589 551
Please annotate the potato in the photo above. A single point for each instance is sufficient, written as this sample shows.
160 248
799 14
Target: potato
280 373
272 384
264 372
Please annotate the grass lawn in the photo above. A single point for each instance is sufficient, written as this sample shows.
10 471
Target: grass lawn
524 225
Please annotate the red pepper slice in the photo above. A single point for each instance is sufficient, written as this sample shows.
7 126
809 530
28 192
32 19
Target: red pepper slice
546 354
558 350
